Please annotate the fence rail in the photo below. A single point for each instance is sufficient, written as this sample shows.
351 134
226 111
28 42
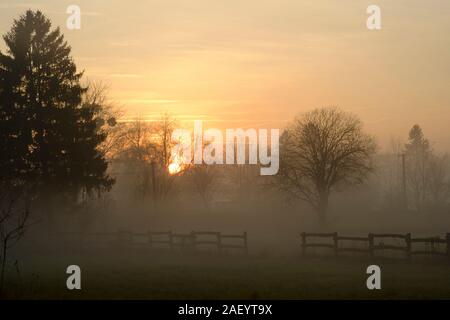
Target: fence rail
374 243
188 242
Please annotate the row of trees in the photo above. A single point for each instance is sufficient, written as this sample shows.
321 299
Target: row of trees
144 150
322 152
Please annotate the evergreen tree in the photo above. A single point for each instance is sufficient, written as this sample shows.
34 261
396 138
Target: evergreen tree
419 154
47 135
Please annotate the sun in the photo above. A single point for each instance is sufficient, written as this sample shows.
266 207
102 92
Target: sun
175 166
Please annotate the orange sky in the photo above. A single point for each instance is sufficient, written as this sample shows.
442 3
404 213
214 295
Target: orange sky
257 63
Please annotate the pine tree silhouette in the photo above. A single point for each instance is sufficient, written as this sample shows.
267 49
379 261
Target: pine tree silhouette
47 135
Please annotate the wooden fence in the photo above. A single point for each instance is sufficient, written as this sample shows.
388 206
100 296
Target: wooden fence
192 241
374 243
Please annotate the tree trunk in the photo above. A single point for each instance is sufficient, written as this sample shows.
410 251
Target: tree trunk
3 266
154 190
322 210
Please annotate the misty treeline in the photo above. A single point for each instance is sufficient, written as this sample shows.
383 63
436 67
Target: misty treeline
416 177
66 149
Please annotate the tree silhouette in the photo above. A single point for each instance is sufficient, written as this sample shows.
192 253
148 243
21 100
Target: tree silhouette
204 180
47 134
14 220
321 151
426 173
418 153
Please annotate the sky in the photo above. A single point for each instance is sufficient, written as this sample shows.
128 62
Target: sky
259 63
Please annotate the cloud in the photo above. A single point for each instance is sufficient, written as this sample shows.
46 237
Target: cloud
125 75
152 101
124 43
20 5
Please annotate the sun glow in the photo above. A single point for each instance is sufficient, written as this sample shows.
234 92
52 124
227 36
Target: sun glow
175 166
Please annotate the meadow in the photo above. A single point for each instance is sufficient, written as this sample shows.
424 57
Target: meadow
171 275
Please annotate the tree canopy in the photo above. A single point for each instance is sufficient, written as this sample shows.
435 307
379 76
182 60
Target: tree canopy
47 134
320 151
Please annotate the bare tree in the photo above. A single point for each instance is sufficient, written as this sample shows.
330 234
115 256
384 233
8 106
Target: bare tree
204 178
138 152
438 181
14 218
322 151
108 118
162 178
148 145
138 144
163 130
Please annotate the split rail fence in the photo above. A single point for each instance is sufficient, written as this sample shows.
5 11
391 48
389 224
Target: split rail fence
373 243
192 241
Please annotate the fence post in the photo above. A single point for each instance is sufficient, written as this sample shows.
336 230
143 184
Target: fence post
150 239
335 240
433 248
448 245
245 243
371 245
303 235
408 246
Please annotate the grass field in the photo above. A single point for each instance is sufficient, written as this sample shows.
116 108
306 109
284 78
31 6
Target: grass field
136 275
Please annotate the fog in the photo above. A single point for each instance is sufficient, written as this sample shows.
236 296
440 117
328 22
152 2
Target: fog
288 190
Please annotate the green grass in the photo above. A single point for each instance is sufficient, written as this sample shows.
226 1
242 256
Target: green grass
136 275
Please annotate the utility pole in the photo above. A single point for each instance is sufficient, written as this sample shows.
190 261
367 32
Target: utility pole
403 155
